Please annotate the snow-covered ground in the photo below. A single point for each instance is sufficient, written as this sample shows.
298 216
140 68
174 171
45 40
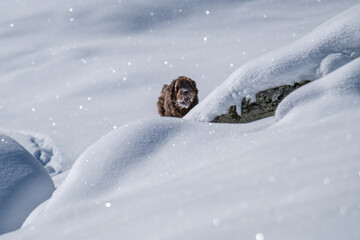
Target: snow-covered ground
74 71
327 48
24 184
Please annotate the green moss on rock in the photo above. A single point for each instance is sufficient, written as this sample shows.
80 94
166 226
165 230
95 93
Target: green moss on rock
264 106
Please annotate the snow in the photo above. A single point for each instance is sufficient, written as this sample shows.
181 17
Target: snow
42 147
332 62
341 89
24 184
148 179
328 47
79 87
62 78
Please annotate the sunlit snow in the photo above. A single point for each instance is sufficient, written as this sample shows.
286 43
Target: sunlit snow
79 85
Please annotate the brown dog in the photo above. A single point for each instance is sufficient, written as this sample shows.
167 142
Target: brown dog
178 98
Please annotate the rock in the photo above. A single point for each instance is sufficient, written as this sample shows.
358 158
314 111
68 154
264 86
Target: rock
264 106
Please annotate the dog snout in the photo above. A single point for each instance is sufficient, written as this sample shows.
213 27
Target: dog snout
188 94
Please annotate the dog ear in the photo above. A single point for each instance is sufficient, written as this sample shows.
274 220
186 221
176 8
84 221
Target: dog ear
173 89
193 85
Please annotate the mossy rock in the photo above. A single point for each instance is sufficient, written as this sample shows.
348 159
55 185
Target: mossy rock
264 106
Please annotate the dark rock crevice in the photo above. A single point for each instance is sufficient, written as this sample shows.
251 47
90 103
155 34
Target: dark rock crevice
264 106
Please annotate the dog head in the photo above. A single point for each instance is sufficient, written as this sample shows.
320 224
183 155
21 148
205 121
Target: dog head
183 91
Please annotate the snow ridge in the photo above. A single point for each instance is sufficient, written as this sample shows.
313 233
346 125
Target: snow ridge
298 61
341 89
131 146
43 148
24 184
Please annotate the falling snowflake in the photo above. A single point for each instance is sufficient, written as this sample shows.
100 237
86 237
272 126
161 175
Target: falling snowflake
181 212
216 222
343 210
259 236
326 181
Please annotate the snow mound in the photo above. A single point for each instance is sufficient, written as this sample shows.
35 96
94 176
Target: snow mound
24 184
332 94
103 166
327 48
175 179
43 148
169 178
332 62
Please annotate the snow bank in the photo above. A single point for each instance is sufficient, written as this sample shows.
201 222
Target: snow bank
327 48
24 184
176 179
43 148
102 167
171 178
339 91
84 64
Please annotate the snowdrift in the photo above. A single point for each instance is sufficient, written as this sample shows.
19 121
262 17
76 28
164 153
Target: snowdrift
24 184
83 64
337 92
103 166
295 176
43 148
172 178
327 48
157 178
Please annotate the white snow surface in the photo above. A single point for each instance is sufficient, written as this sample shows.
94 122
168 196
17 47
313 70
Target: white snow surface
24 184
73 70
338 91
42 147
96 67
320 52
158 179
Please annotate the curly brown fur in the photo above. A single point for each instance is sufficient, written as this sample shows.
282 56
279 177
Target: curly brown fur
178 98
